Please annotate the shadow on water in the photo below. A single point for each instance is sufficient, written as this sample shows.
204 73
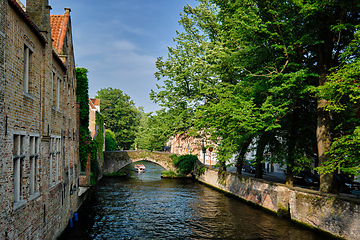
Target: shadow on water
144 206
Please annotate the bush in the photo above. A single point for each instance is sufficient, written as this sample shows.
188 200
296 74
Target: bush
169 174
185 163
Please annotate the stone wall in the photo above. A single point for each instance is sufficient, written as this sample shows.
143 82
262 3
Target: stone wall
339 216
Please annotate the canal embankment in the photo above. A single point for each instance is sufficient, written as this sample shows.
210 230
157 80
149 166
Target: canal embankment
334 214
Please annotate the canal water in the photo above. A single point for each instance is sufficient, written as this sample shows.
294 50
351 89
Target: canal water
144 206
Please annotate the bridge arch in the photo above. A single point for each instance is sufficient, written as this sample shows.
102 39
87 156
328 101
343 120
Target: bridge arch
116 160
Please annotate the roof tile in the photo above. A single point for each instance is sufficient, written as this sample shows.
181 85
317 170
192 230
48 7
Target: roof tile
59 25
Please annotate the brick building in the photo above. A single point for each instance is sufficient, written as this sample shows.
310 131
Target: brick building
39 163
95 120
94 108
182 144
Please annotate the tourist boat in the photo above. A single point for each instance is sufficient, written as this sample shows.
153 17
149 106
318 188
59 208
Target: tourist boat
139 168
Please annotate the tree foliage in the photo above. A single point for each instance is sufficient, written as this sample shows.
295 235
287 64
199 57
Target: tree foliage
270 72
153 132
184 163
110 140
82 94
86 144
121 115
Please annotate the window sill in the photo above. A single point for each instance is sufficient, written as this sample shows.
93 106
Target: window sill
29 95
34 196
54 184
20 204
55 109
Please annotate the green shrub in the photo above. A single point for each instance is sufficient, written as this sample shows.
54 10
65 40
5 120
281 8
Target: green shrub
169 174
185 163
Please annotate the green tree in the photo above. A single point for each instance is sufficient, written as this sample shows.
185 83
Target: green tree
202 87
301 38
342 91
251 69
153 132
121 115
110 140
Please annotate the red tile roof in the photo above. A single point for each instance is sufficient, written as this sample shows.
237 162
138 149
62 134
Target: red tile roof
59 25
91 105
95 101
56 22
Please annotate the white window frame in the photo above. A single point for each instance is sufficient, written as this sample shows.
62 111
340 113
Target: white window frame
34 160
58 93
55 156
53 77
19 155
27 67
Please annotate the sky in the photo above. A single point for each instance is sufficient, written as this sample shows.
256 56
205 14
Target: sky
118 41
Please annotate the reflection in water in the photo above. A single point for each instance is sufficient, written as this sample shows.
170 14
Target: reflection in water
144 206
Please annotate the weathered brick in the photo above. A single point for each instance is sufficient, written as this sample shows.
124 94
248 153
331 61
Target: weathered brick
45 214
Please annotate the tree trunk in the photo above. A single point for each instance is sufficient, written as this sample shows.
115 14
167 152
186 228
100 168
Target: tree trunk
222 167
323 132
241 156
260 156
289 176
291 154
328 180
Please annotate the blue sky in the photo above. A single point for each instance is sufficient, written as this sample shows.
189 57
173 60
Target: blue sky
118 41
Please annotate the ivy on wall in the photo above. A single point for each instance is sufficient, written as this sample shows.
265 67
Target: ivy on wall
82 93
86 144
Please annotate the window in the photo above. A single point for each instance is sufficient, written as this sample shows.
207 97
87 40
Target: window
34 157
55 151
57 158
58 94
53 93
27 65
18 156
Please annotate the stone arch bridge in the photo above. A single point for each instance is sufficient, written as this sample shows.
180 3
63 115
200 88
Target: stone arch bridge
116 160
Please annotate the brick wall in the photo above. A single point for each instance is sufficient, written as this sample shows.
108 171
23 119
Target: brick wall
44 214
2 86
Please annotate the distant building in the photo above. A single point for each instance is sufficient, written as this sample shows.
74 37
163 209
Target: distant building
95 128
183 144
94 108
39 163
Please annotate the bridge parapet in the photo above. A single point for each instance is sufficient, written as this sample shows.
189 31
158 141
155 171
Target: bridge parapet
116 160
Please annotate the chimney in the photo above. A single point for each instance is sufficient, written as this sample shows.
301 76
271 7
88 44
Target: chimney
39 12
